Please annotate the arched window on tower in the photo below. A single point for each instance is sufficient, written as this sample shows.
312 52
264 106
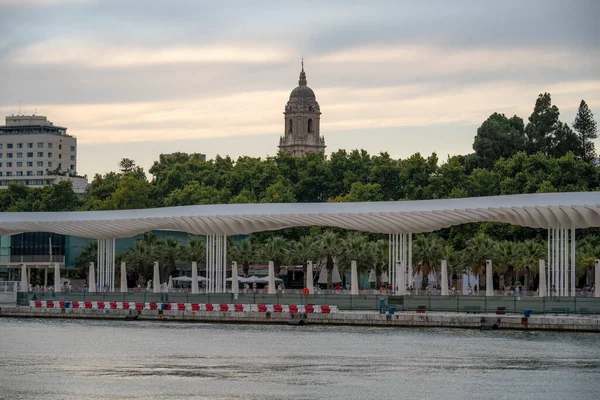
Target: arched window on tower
309 108
310 126
290 126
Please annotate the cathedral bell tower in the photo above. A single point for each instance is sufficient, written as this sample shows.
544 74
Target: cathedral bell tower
302 121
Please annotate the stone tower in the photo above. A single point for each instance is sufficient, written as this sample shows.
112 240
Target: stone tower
302 121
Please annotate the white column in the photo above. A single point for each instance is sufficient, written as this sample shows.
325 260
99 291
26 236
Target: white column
216 263
444 282
549 267
410 264
100 269
156 278
24 282
390 262
395 258
113 266
565 263
573 265
542 279
309 277
271 277
195 277
489 282
57 285
555 259
123 277
597 280
209 263
234 278
559 260
92 278
225 264
353 277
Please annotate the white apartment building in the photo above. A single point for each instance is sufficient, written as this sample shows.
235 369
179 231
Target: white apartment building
35 152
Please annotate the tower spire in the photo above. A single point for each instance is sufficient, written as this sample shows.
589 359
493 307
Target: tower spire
302 80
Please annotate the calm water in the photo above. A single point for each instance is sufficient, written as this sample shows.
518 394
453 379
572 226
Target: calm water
54 359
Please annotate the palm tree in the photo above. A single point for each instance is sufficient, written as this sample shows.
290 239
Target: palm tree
170 251
479 249
244 253
507 256
453 261
301 252
378 254
140 257
150 239
427 254
529 254
588 251
195 250
275 249
88 254
329 247
353 248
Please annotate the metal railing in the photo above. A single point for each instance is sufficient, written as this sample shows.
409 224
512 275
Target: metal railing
508 304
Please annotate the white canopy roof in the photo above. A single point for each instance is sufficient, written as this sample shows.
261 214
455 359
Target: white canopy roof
569 210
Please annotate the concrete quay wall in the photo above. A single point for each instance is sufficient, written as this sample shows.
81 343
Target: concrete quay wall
403 319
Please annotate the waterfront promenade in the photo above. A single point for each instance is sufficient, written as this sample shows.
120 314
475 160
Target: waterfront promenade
491 321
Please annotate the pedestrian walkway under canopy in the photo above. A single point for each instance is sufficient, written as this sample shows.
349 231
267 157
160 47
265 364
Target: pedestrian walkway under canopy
547 211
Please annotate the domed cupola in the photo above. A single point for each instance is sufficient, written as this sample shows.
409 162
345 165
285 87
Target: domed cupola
302 121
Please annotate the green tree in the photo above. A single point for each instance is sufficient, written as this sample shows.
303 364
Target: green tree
479 249
587 131
301 252
506 259
57 197
131 194
498 137
542 125
427 254
141 258
195 251
170 251
126 165
528 255
275 249
244 253
330 246
88 254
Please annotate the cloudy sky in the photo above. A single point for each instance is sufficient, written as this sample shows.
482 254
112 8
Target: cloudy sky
139 77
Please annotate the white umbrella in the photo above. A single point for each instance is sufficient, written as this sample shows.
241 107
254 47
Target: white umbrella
335 274
170 284
384 277
372 276
266 280
323 275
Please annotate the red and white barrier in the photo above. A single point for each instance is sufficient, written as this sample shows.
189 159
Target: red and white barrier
222 307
